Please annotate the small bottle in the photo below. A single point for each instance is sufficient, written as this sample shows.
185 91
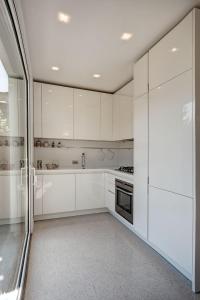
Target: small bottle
53 145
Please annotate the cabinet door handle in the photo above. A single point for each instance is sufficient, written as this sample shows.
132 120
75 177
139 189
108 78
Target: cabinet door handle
21 175
34 177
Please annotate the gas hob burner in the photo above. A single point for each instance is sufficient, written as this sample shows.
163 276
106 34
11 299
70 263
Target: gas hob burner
128 169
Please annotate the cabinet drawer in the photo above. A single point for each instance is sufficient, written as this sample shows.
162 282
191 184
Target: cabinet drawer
172 55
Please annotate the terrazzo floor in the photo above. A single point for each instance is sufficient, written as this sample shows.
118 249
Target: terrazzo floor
95 257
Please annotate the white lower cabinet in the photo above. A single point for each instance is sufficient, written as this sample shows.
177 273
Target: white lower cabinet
58 193
10 197
110 192
38 196
110 200
89 191
170 226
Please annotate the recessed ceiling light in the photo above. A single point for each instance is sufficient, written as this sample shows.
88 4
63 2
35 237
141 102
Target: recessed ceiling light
54 68
64 18
174 49
126 36
96 75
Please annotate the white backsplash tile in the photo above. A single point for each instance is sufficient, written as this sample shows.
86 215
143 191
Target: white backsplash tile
98 154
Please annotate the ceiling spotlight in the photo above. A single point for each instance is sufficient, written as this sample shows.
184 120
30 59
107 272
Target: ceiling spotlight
64 18
96 75
126 36
54 68
174 49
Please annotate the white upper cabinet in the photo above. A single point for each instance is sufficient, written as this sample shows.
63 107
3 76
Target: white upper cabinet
57 111
106 117
126 117
141 76
58 193
140 164
89 191
170 226
170 135
122 117
37 94
87 108
172 55
116 116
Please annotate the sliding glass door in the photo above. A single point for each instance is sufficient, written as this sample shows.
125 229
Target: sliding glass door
13 156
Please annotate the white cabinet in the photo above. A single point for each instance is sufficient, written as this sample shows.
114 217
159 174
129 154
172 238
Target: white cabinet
57 111
122 117
89 191
116 116
172 55
110 200
140 164
126 118
10 200
141 76
106 117
87 115
58 193
110 192
170 226
38 196
37 94
170 135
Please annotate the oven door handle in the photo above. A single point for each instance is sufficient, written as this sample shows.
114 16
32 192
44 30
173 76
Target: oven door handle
125 192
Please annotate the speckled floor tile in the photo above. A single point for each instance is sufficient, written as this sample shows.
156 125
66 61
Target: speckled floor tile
95 257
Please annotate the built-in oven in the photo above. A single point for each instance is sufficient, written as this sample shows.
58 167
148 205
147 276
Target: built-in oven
124 199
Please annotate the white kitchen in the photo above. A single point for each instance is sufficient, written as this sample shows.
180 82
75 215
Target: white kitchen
99 149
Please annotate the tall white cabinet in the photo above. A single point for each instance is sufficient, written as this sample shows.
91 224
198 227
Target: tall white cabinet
167 89
140 121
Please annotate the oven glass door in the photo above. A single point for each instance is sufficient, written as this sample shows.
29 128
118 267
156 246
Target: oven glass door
124 200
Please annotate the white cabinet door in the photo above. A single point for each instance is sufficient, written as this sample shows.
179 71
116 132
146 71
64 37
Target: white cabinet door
89 191
170 226
37 103
38 196
10 197
141 76
57 111
116 116
110 200
87 115
58 193
122 117
170 135
140 164
126 118
106 117
172 55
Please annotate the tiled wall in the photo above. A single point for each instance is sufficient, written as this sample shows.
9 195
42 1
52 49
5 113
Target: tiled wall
98 154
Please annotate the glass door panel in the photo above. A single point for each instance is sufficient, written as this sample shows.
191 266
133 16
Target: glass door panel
13 156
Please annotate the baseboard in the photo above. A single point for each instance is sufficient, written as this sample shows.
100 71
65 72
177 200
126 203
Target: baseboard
70 214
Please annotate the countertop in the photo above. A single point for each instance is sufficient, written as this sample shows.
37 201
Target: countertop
87 171
119 174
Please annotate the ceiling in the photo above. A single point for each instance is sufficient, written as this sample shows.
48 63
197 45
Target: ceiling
90 43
